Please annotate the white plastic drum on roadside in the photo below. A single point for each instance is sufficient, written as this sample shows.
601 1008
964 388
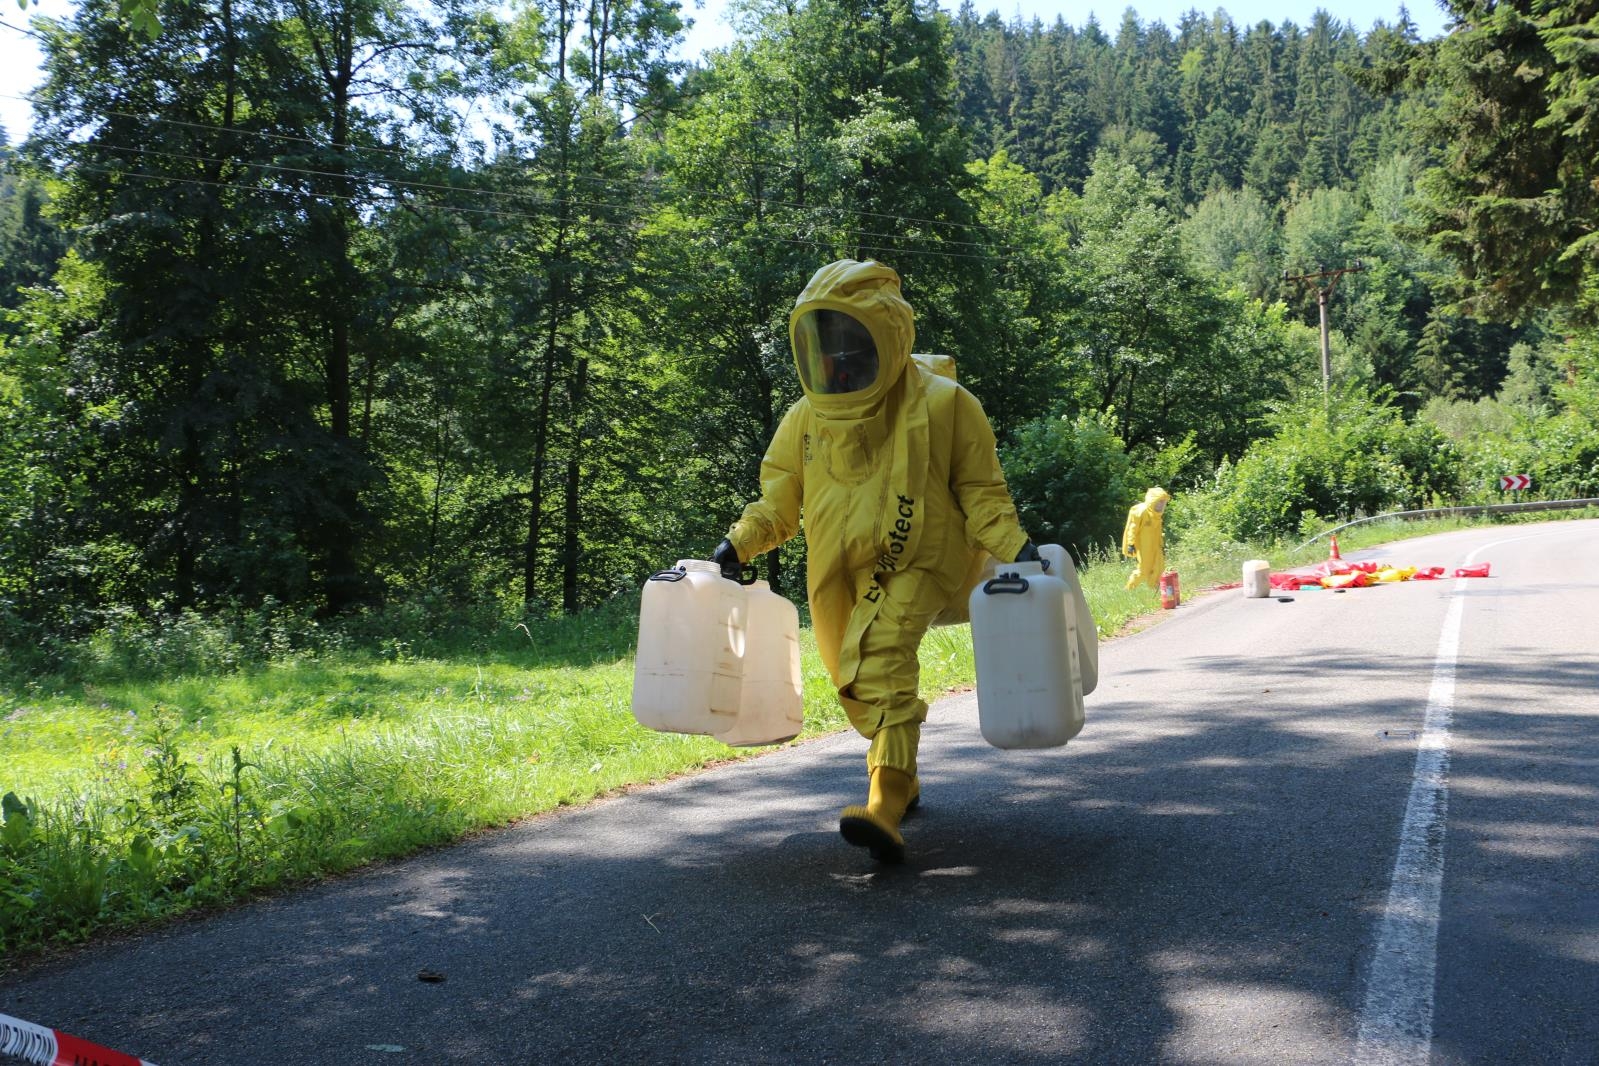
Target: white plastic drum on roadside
716 657
1037 652
1257 579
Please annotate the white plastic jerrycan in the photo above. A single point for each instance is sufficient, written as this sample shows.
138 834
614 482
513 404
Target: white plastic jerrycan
1037 652
1061 565
771 705
717 657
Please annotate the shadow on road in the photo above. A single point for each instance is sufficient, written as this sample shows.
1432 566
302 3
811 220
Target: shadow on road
1193 881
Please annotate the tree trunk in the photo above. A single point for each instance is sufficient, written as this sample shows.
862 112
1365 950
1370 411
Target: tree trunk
558 292
574 475
193 490
343 579
440 455
541 438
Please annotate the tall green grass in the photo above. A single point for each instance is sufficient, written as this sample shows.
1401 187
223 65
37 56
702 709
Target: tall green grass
141 788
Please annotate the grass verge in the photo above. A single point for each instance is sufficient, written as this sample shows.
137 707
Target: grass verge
129 799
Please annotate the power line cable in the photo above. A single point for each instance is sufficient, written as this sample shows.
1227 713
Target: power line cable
796 241
381 179
26 32
653 184
645 183
384 179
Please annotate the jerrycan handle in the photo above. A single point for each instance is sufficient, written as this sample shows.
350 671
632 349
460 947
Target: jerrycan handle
677 573
1013 584
747 574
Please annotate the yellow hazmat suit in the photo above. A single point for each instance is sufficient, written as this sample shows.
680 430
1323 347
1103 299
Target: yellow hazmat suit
894 468
1145 540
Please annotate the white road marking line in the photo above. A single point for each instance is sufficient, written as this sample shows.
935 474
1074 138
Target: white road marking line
1396 1018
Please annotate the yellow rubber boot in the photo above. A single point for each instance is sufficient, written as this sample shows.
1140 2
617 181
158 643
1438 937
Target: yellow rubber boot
876 825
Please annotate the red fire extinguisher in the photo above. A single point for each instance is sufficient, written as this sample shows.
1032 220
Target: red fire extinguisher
1170 595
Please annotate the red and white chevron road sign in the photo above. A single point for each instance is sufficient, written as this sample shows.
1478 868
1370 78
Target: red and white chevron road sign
1515 482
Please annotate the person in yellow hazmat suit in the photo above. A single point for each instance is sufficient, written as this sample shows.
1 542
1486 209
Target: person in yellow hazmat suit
1144 539
894 469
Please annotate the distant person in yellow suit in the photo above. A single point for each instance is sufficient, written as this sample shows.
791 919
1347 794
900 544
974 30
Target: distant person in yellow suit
893 466
1144 539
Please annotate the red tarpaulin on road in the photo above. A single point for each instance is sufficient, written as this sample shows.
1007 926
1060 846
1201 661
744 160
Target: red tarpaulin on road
1335 574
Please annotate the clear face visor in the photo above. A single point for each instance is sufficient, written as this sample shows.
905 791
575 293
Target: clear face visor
835 352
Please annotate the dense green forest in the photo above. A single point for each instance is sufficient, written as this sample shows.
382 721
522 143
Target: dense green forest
320 305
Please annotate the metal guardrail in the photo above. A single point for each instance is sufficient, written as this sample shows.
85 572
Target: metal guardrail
1444 512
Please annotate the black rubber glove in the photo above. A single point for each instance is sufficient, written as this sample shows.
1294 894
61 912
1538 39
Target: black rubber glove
726 557
1029 554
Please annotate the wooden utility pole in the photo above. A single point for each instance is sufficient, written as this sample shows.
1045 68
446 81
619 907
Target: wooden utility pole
1325 281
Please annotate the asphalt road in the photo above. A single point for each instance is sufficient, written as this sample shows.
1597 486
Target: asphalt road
1206 875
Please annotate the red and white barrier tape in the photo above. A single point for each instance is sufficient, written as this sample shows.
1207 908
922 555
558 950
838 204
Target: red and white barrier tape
50 1047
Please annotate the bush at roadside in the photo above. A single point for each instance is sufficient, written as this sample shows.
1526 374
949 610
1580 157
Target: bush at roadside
1071 480
1354 455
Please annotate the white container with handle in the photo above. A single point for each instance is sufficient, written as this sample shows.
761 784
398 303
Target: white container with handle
717 657
1034 661
771 706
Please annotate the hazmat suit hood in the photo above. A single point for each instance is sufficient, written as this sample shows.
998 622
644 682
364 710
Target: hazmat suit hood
868 293
1156 495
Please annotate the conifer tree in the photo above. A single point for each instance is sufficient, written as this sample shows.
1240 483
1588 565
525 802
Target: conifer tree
1514 197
